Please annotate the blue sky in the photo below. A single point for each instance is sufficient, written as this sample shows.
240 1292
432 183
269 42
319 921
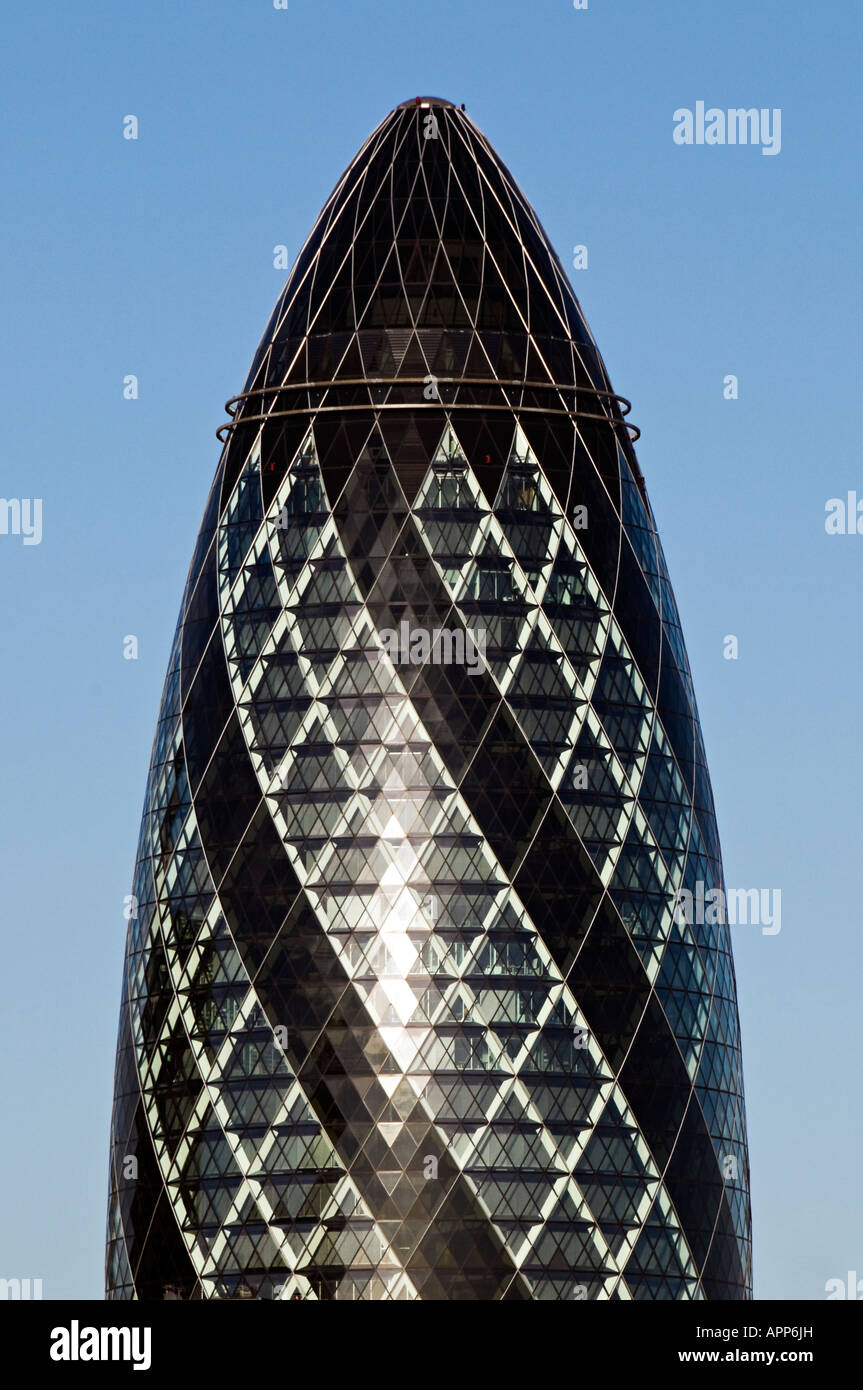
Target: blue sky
155 257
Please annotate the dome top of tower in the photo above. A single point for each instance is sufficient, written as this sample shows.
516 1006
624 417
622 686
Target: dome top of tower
428 101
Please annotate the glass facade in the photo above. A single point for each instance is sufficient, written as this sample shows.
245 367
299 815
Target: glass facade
408 1011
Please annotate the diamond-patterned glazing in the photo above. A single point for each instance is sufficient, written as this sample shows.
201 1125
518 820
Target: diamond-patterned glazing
407 1010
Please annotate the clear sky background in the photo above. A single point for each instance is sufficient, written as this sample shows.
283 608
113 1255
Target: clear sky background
155 258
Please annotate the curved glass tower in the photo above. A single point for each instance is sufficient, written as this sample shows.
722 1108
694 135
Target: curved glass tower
410 1008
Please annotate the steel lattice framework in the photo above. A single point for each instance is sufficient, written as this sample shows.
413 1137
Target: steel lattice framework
407 1009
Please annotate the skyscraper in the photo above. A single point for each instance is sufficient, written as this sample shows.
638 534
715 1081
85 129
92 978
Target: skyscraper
410 1010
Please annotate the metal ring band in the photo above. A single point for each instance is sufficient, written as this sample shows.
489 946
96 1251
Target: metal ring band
635 432
423 381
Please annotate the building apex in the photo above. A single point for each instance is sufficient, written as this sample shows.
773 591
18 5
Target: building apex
429 101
